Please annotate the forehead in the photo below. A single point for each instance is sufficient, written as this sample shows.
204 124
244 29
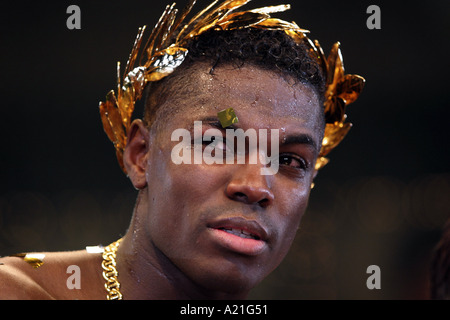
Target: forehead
261 98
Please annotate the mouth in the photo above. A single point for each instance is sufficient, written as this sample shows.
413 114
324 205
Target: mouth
239 235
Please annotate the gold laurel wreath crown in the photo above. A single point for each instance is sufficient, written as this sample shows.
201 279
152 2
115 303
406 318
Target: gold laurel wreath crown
161 56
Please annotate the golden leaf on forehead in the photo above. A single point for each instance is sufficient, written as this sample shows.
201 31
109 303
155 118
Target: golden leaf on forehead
166 62
315 52
135 51
227 117
187 9
118 79
110 112
166 23
202 12
152 43
168 28
185 30
242 20
321 162
298 37
207 19
335 64
321 56
175 50
334 105
156 76
334 109
126 104
209 22
311 45
137 79
106 124
272 9
292 29
234 4
334 133
350 88
225 8
341 89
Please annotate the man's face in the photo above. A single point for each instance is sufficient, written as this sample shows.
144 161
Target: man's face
226 226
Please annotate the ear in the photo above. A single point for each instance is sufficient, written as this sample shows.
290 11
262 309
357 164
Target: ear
136 154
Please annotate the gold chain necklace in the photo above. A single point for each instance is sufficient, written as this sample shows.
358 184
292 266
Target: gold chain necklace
110 273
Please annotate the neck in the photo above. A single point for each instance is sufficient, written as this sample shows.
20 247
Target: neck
146 273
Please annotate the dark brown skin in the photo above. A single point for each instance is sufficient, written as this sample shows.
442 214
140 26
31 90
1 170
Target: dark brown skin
168 251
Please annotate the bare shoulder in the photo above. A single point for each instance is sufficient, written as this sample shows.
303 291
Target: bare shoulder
62 275
17 283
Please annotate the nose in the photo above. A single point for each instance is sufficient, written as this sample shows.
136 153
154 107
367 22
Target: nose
249 186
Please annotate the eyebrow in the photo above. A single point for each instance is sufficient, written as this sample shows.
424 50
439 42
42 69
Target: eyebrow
214 122
300 139
303 138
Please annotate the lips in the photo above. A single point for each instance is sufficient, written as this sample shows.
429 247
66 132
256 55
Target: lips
239 235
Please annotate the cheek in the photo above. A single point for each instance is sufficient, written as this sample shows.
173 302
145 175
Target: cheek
165 205
176 194
293 197
293 203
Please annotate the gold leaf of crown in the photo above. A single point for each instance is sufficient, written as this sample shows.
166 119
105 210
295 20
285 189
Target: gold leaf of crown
161 56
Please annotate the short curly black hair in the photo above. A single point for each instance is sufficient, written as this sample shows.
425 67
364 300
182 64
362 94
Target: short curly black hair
268 49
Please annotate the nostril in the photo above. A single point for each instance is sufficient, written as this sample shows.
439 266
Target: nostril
241 196
264 202
250 192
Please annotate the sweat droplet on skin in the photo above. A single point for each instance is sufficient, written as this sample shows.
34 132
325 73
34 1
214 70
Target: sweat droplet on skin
283 134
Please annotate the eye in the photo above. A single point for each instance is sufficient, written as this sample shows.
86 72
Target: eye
214 142
216 146
293 162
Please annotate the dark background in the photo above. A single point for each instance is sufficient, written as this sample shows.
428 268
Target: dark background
382 200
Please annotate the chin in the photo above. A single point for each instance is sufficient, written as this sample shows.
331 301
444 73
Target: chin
233 279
